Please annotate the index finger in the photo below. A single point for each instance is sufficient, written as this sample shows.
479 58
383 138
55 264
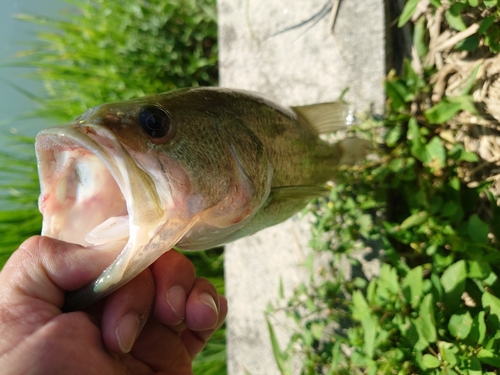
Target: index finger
44 268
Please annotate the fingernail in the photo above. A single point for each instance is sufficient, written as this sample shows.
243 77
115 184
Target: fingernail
208 300
127 331
176 299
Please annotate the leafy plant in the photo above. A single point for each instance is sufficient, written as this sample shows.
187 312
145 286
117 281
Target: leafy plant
434 307
117 50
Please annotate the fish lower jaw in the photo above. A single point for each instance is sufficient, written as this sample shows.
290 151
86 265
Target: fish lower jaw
113 275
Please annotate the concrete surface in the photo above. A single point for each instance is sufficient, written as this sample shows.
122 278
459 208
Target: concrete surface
301 66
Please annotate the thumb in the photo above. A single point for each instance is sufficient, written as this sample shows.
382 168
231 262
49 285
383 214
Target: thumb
44 268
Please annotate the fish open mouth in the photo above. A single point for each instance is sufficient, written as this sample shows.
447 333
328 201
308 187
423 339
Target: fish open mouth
82 189
94 194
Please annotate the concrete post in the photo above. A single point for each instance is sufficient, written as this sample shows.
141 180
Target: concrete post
303 65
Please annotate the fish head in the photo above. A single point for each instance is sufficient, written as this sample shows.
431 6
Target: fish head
142 176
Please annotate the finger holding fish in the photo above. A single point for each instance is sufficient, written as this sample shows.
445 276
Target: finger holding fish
171 298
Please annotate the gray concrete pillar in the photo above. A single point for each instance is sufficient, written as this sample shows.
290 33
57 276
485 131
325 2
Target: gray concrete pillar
303 65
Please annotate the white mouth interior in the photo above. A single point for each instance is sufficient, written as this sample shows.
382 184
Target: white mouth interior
81 201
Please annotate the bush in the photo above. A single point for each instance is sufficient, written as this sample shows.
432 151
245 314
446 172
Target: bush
427 205
113 50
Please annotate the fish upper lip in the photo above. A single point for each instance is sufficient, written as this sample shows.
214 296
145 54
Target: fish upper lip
83 135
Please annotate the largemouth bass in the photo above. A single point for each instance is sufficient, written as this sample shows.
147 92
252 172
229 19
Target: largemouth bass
192 168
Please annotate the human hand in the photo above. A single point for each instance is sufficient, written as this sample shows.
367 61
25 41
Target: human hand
156 323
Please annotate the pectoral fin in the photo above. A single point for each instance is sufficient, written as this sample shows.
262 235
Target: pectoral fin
324 117
284 201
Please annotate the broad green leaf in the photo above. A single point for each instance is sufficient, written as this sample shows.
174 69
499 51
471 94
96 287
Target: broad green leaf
454 277
436 284
442 111
473 3
489 300
416 219
478 329
393 136
448 353
362 312
421 343
492 277
419 34
474 366
388 279
413 282
361 309
458 153
448 107
488 357
451 210
453 16
478 270
408 10
491 39
486 24
466 102
317 330
477 229
490 3
417 148
430 361
454 183
460 325
394 98
397 165
427 319
398 93
481 326
370 330
435 153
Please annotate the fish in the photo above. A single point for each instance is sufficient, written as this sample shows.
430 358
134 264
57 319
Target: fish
192 169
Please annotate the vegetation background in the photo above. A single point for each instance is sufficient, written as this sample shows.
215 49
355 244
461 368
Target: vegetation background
426 205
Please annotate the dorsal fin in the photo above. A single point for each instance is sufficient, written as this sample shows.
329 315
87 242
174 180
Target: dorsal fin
324 117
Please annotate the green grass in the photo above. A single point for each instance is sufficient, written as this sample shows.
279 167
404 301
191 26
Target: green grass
19 190
104 51
122 49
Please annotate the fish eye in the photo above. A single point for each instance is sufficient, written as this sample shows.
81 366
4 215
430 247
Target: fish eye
154 122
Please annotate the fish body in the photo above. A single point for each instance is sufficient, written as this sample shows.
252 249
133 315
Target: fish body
192 168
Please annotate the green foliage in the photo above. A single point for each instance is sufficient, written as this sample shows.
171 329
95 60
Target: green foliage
111 50
461 14
19 190
434 308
